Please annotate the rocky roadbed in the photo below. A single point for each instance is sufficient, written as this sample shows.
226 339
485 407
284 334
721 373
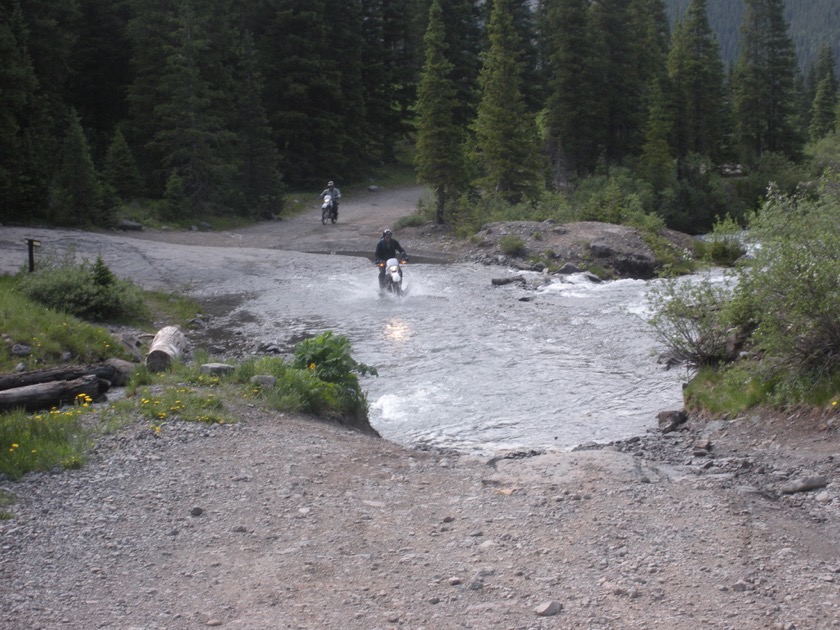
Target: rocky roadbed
287 522
281 521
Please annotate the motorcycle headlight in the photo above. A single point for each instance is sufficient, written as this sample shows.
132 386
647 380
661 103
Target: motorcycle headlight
394 269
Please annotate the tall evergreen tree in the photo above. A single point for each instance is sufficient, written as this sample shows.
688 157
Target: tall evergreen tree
439 157
621 75
765 101
465 38
824 105
77 192
101 70
696 76
192 139
259 181
571 112
657 164
304 92
25 141
119 170
507 152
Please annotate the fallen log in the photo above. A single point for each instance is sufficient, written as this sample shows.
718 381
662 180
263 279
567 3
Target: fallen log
52 394
63 373
168 345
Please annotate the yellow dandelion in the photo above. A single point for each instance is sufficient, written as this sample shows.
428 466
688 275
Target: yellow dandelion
312 366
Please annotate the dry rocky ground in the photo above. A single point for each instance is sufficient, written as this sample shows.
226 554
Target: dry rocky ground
280 521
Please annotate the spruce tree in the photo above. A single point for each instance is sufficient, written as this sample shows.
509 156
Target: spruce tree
77 192
119 170
506 148
304 92
24 158
439 155
571 112
192 137
696 77
765 100
823 108
259 181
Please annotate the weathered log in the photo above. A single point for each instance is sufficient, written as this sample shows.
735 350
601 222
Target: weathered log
52 394
62 373
169 344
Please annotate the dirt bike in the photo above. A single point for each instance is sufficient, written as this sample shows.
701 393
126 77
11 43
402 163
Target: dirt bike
393 282
329 210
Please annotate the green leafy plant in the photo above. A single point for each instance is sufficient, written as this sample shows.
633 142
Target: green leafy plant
87 290
512 245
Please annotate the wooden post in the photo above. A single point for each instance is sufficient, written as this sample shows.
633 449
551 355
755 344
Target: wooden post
169 343
31 244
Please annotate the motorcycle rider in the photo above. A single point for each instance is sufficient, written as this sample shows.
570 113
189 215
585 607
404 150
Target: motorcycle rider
386 248
335 193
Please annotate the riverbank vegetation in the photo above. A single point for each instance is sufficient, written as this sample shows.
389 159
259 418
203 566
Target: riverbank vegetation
769 333
55 325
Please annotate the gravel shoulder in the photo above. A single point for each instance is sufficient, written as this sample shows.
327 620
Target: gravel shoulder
281 521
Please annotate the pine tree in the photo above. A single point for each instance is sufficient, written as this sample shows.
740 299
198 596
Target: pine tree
192 137
656 164
260 182
119 170
465 38
622 72
100 70
77 192
304 92
696 76
765 101
507 152
823 108
23 172
568 54
439 156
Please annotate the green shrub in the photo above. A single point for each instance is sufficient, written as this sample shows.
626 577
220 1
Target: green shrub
793 282
87 290
690 319
321 379
512 245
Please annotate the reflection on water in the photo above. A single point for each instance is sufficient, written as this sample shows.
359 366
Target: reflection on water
397 331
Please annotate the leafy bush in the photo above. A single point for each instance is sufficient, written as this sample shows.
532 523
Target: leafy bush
512 245
689 317
725 244
793 281
89 291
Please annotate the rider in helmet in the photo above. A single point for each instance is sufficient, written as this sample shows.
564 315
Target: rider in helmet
335 193
386 248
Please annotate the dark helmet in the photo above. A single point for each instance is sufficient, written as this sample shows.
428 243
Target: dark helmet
386 232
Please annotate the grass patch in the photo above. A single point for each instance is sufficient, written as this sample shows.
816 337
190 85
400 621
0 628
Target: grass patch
49 334
43 441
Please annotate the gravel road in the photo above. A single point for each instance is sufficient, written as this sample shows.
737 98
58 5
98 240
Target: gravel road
281 521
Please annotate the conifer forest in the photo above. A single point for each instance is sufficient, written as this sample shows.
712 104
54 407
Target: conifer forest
679 109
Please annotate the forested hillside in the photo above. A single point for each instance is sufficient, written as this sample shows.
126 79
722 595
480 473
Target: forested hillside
811 22
561 109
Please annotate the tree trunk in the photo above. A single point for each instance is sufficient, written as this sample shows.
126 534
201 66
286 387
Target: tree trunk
169 344
63 373
53 394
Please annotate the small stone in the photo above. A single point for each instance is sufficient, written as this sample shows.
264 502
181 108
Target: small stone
454 581
196 511
548 609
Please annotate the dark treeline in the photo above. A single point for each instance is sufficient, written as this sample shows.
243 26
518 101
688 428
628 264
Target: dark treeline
216 107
